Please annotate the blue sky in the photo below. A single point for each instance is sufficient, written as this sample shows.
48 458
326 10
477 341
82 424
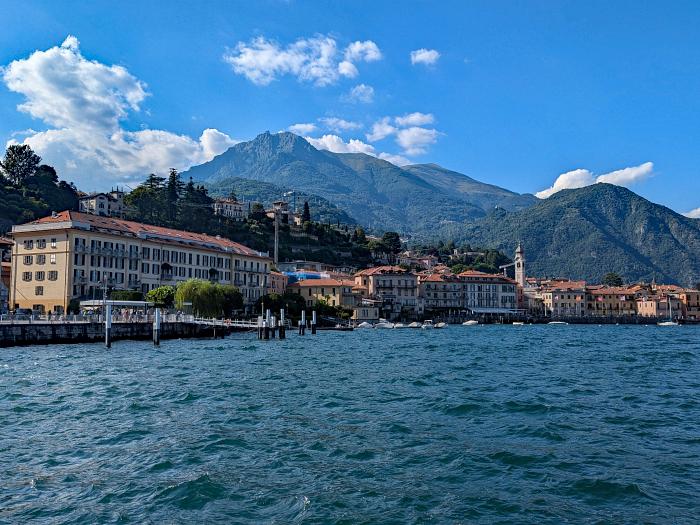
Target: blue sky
511 93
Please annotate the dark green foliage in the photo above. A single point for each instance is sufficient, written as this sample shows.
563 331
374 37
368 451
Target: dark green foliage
37 195
612 279
392 242
585 233
266 193
126 295
163 296
306 216
378 193
19 162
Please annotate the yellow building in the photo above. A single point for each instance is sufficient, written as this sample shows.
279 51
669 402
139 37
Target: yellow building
277 283
336 292
564 298
611 301
395 287
72 255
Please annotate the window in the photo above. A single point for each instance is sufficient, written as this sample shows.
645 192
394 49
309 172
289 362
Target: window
26 276
53 242
40 276
28 245
28 259
41 259
53 275
52 258
41 243
39 290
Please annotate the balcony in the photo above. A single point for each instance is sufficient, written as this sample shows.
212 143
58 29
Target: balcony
166 277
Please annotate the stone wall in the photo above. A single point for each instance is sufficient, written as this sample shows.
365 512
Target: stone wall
52 333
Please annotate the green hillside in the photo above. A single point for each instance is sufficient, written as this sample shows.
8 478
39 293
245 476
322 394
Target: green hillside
588 232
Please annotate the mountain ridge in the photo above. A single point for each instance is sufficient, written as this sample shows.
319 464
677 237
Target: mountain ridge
377 193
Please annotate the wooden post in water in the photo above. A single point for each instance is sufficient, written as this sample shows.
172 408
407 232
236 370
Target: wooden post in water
273 325
156 328
302 323
108 325
282 334
313 322
260 327
266 330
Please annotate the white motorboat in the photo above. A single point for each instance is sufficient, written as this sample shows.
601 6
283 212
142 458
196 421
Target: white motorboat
384 325
441 325
471 322
427 325
364 324
557 322
400 325
518 323
670 321
414 324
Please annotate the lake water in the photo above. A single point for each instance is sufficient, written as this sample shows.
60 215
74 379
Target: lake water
530 424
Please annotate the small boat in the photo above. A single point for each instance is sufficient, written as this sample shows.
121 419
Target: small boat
414 324
427 325
670 321
384 324
557 322
518 323
441 325
471 322
364 324
400 325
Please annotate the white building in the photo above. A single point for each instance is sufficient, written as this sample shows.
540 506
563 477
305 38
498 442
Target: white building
232 209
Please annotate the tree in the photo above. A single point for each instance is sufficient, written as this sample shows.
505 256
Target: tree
162 297
392 241
306 215
203 296
173 189
612 279
20 162
147 203
232 299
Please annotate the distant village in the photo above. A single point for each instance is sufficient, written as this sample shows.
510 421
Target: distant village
50 263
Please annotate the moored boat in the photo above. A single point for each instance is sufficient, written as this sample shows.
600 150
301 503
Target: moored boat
414 324
441 325
384 325
427 325
471 322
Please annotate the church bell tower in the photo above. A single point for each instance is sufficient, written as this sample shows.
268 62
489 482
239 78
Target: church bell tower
520 265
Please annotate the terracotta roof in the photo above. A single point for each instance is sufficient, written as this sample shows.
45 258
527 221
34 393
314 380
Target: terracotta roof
439 278
321 282
147 231
377 270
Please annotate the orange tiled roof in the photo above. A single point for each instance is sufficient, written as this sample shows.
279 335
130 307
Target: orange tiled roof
377 270
137 229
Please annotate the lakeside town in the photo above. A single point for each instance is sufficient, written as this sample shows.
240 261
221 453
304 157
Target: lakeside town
51 264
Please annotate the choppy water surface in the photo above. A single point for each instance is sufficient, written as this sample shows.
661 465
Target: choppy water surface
470 424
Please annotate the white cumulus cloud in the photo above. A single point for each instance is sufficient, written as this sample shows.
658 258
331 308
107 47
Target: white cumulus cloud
361 93
339 125
336 144
693 214
317 60
424 56
381 129
302 128
415 119
84 103
580 178
415 140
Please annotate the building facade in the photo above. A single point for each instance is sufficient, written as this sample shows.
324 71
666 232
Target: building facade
109 204
72 255
489 293
232 209
441 292
277 283
336 292
395 287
